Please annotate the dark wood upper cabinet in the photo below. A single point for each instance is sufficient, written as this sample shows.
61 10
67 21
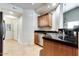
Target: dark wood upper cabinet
45 20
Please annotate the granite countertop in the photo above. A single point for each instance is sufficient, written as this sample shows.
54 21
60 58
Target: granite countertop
45 31
54 37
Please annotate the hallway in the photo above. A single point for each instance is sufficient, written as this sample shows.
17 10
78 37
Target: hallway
12 48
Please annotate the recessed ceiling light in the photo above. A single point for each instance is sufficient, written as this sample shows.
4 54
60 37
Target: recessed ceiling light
11 12
54 4
33 3
48 6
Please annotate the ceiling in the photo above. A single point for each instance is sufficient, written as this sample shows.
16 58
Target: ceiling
69 6
40 8
28 5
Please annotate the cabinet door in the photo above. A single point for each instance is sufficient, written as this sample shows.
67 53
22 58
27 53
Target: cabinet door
36 41
45 20
49 18
47 48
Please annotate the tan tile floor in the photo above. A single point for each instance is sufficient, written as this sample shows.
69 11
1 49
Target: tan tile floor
12 48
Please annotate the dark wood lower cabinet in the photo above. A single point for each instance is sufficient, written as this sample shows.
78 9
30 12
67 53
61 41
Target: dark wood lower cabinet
51 48
36 38
46 52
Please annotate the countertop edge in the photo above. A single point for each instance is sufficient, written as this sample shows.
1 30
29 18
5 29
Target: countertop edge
62 42
42 31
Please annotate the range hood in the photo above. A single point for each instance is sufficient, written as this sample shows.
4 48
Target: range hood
46 8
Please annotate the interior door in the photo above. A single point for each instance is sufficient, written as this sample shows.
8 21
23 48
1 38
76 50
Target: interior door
1 35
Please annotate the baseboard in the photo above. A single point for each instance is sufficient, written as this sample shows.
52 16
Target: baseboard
38 44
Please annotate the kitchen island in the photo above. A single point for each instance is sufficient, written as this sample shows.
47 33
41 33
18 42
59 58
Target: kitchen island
52 46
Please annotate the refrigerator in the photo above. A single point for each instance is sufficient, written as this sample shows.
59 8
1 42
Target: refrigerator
1 33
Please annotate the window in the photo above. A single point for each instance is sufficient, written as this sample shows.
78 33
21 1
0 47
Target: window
72 24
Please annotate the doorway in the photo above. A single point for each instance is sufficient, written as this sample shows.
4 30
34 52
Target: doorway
11 27
11 35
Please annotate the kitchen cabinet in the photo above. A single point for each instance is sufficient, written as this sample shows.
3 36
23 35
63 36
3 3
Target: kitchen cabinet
45 20
46 47
36 38
52 48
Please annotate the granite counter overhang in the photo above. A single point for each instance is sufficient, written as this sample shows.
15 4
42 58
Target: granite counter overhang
44 31
65 42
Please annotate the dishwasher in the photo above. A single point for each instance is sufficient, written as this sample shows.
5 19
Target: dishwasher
41 39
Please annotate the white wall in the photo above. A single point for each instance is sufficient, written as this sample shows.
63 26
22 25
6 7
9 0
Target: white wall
61 16
19 29
28 26
15 27
56 18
